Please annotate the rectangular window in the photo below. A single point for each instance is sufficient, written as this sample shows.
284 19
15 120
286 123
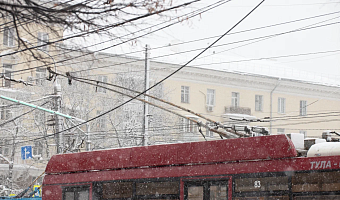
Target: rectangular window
40 75
38 148
101 121
8 37
76 193
280 131
5 150
184 94
281 105
209 133
7 72
210 97
117 190
5 114
43 40
187 125
243 185
316 182
157 188
258 103
303 108
104 80
235 99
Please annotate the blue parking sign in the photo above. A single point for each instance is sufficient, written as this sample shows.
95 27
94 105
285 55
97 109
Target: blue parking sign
26 152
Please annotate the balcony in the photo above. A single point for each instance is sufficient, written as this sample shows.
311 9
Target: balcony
237 110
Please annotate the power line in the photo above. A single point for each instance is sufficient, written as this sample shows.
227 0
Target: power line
104 113
193 15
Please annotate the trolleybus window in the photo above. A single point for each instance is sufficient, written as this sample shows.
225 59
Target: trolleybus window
316 185
206 190
136 190
264 188
261 184
117 190
316 182
76 193
157 188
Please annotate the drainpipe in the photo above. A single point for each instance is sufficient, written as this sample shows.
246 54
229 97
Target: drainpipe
271 105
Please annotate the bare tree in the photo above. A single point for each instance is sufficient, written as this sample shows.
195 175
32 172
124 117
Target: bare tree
81 19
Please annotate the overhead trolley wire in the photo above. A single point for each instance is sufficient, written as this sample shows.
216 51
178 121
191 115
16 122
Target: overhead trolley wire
240 41
88 53
168 76
101 29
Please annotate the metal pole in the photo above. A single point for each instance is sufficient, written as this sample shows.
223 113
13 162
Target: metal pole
146 98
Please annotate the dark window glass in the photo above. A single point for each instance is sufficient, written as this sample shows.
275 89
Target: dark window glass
316 182
76 193
261 184
117 190
157 188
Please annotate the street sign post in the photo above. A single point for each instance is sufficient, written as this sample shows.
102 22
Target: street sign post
26 152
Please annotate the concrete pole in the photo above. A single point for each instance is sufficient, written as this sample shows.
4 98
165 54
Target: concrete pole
58 120
146 98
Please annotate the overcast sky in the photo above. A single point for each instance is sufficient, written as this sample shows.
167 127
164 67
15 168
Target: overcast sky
222 18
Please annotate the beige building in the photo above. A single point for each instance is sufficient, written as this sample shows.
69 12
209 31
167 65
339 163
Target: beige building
232 98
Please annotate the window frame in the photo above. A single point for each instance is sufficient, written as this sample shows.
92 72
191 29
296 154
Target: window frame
258 103
281 105
42 39
211 97
185 94
74 189
102 79
40 75
303 107
235 99
9 37
101 121
7 70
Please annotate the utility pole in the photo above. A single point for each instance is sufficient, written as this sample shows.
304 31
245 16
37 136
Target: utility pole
58 121
146 98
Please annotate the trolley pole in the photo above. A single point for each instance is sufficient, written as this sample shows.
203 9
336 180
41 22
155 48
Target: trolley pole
146 98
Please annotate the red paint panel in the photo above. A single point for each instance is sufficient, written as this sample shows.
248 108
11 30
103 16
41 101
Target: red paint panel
52 192
85 161
255 148
280 165
154 155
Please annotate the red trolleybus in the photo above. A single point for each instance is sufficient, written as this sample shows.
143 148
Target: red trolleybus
264 167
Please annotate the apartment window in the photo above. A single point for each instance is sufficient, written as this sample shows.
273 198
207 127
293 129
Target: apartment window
101 121
5 143
208 133
303 108
102 79
5 114
42 40
235 99
8 36
258 103
184 94
40 75
281 105
280 131
7 72
38 148
187 125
